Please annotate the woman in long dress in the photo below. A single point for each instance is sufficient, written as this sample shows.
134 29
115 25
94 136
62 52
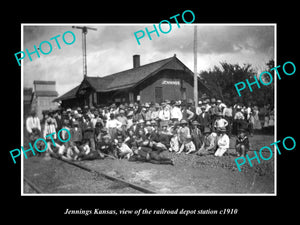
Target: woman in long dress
256 121
271 118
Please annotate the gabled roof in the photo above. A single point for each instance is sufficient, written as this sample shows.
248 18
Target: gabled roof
128 78
132 77
68 95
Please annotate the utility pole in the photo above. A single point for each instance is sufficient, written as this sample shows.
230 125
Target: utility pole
195 68
84 32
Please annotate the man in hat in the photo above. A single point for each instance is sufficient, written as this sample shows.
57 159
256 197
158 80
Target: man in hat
204 119
148 112
187 114
59 119
227 114
149 152
112 124
50 126
198 109
174 143
183 131
196 134
76 134
155 112
123 151
129 119
188 145
89 132
97 119
106 146
164 136
176 114
123 120
222 142
220 122
148 128
140 125
242 143
209 142
164 114
33 126
239 119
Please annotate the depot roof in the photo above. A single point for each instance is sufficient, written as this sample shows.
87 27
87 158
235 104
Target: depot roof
128 78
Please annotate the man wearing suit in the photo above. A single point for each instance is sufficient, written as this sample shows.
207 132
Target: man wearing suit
88 132
204 119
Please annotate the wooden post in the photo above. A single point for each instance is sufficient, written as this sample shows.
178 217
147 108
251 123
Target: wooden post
195 68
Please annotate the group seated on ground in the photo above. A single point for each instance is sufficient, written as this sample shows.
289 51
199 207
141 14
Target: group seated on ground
143 132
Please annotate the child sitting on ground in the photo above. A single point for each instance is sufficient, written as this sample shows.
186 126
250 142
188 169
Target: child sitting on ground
188 146
123 151
242 143
174 143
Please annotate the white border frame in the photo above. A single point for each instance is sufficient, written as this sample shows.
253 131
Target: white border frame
139 24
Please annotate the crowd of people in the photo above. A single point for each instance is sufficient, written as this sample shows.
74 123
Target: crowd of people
142 132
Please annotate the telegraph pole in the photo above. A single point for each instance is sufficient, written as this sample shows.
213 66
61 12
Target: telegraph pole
195 68
84 32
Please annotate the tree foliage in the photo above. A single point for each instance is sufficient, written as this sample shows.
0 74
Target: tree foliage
221 81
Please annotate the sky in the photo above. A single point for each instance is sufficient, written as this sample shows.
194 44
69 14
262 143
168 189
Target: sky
111 47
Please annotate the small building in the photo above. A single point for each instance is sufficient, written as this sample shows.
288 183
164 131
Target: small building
27 99
154 82
43 96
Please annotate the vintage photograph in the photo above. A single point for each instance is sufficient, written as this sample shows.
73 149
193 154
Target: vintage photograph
106 114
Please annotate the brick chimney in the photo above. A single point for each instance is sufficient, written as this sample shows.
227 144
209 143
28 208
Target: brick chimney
136 61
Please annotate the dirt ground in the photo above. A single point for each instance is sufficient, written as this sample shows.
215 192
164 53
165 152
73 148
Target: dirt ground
191 174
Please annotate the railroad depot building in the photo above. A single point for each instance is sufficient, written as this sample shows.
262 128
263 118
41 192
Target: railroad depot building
154 82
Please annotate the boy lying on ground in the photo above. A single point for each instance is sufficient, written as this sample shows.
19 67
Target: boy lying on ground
149 152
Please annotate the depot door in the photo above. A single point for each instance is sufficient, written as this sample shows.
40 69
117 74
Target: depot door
158 95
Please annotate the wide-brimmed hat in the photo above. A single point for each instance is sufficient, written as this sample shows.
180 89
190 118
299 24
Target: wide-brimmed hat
106 136
153 122
183 122
195 122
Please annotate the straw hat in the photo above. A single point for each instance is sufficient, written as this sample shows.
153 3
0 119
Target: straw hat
195 122
183 122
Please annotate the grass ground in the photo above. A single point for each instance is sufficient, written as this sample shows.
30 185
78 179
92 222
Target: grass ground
191 174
